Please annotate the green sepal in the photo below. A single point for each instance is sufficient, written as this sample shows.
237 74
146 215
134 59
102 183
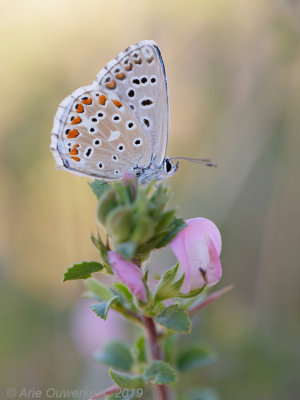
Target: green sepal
119 224
101 309
172 230
126 249
160 373
195 357
126 380
192 293
125 297
164 288
99 187
102 292
175 318
83 270
107 203
115 354
164 220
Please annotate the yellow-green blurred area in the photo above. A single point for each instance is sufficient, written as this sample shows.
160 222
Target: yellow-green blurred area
233 71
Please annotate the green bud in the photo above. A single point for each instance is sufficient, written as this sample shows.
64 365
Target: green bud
119 223
107 203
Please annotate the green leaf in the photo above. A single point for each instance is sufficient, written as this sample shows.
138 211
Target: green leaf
140 350
101 247
160 373
116 354
98 187
164 220
192 293
195 357
174 318
101 309
101 291
82 270
126 380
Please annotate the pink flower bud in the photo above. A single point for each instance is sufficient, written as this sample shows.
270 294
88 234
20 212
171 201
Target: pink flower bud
129 179
197 248
129 274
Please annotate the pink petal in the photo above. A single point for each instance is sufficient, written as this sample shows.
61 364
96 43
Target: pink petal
129 274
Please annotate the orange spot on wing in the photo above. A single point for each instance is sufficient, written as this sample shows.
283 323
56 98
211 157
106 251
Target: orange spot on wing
76 145
121 76
87 101
79 108
111 84
102 100
73 134
128 67
117 103
76 120
74 151
76 158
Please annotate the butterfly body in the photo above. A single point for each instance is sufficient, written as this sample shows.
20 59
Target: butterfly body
118 123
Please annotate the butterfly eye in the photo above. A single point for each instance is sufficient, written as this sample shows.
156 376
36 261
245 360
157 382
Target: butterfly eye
169 166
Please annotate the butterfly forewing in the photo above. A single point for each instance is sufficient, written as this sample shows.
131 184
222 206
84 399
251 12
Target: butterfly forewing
99 136
137 76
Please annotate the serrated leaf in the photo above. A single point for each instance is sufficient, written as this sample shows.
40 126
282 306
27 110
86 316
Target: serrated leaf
83 270
195 357
98 187
160 373
126 380
140 350
101 309
116 354
174 318
101 291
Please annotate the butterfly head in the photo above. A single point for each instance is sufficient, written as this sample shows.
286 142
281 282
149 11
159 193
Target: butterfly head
170 167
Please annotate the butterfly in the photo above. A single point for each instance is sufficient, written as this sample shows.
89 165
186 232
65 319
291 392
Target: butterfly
120 122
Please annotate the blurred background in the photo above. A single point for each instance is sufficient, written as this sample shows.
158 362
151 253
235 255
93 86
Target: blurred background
234 85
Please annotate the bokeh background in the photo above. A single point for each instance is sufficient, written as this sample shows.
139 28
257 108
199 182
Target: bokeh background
234 84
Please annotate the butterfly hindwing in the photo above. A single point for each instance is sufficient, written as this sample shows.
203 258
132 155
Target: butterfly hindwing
97 135
137 76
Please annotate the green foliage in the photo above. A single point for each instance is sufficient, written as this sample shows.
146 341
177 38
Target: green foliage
126 380
166 289
99 187
102 292
139 350
116 354
125 297
160 373
83 270
101 309
175 318
195 357
135 217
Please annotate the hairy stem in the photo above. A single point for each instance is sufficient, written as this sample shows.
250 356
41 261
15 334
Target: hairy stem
160 392
107 392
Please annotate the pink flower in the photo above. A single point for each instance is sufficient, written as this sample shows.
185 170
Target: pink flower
197 248
129 274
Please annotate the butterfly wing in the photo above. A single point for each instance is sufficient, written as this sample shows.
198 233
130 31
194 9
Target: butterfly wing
137 76
97 135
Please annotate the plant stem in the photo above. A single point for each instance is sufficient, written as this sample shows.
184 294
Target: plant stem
160 392
107 392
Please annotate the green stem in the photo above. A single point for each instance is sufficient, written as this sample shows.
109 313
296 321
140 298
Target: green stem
160 392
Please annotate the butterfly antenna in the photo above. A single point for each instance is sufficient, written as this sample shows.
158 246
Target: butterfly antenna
201 161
